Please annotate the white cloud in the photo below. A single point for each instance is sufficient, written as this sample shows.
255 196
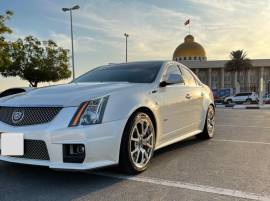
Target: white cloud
220 26
152 29
234 25
155 31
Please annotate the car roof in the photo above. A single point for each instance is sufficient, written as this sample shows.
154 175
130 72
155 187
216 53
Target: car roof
157 62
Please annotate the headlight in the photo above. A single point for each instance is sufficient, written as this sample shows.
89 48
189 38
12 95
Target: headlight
90 112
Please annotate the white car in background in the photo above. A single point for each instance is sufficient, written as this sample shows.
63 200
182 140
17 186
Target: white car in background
266 99
247 97
114 114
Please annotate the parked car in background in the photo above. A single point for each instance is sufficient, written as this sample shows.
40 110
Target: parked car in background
266 99
114 114
247 98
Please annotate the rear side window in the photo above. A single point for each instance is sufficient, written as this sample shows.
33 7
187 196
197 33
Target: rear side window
188 78
244 94
173 69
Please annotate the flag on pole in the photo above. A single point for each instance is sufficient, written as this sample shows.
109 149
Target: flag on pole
187 22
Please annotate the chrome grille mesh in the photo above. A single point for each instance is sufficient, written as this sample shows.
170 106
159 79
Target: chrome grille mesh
34 149
31 115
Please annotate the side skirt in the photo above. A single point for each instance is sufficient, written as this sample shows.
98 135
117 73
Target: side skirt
180 138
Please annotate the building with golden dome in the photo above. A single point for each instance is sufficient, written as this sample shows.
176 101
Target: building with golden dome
214 74
189 50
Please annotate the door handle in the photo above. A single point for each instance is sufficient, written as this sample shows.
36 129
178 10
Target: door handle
188 96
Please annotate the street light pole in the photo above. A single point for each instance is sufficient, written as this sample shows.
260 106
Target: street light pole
71 30
126 35
72 49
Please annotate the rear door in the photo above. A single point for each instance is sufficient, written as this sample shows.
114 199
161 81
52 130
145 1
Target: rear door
195 99
237 97
174 107
241 97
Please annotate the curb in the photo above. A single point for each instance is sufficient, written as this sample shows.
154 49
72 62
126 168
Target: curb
248 107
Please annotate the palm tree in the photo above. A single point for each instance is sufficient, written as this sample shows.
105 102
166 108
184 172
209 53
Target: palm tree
239 62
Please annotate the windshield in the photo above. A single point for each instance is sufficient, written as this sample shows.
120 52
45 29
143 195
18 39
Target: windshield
137 72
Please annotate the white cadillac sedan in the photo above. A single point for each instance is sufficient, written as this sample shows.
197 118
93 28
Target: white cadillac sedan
114 114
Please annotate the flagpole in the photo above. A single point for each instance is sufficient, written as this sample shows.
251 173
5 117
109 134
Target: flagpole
188 22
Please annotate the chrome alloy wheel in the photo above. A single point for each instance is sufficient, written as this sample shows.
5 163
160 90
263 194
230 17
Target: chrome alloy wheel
211 121
141 141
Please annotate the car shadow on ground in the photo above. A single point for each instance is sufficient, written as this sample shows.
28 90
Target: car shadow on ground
24 182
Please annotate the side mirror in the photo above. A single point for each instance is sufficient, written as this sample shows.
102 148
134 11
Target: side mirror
172 79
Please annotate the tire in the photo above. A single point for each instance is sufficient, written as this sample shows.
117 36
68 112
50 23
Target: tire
248 101
209 125
137 145
229 101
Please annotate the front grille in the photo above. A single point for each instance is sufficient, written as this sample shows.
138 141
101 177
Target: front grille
25 116
34 149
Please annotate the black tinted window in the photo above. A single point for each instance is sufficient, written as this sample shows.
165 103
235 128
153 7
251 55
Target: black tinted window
137 72
243 94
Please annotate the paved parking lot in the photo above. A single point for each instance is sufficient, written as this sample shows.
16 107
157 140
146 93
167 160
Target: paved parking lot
232 166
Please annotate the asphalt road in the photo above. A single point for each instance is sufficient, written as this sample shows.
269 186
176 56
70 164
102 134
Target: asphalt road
232 166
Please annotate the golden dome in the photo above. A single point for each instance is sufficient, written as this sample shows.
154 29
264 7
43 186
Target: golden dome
189 50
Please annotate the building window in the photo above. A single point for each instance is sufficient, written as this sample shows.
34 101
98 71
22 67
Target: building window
184 58
241 76
189 58
227 77
195 58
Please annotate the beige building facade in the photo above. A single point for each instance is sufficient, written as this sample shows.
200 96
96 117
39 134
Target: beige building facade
214 74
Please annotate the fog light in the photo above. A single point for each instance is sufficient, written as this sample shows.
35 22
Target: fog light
73 153
80 149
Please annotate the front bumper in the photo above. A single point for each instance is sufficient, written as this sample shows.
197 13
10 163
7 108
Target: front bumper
102 142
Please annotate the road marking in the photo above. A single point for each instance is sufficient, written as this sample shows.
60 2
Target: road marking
241 126
240 141
189 186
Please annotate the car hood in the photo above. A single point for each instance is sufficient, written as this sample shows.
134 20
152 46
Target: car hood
67 95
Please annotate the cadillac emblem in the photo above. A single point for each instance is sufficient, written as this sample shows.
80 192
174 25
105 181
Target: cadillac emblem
17 116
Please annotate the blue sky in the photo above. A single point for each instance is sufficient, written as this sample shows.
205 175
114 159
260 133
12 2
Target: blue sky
155 28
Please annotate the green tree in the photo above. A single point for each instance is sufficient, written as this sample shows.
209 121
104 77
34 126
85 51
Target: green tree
239 62
4 30
36 61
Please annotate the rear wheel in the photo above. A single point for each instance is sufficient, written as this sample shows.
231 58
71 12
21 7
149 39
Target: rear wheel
248 101
229 101
137 146
209 126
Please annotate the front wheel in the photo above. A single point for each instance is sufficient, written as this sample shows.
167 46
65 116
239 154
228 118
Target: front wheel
209 126
137 146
